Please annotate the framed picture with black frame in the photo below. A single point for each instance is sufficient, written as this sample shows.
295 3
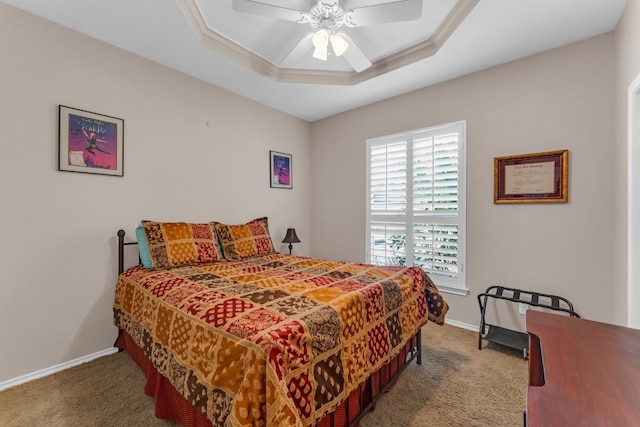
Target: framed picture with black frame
90 142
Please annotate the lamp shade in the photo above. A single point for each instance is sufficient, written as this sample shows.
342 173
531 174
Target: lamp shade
339 44
321 43
291 236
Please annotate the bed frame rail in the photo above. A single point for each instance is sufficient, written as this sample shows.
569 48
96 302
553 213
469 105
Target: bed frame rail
414 353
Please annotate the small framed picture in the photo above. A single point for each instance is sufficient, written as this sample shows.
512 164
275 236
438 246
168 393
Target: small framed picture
281 175
90 142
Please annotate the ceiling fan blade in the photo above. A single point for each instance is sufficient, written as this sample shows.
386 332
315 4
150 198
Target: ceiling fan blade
402 10
354 56
299 51
266 9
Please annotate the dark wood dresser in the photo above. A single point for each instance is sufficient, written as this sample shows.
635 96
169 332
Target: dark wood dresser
581 373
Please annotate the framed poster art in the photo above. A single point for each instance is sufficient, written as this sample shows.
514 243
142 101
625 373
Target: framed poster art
281 175
90 142
532 178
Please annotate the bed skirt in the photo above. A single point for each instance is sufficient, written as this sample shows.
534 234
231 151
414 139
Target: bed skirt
171 405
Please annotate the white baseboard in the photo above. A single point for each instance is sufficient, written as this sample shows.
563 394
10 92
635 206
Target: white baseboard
473 328
57 368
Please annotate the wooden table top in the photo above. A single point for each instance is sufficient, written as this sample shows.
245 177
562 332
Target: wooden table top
582 372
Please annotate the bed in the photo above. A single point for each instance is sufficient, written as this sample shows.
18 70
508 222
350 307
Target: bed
230 332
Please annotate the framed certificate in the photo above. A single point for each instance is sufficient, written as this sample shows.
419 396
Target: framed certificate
532 178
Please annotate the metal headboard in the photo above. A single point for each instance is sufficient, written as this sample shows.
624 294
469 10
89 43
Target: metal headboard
121 245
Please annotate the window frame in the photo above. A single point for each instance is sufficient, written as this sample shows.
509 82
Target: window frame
454 286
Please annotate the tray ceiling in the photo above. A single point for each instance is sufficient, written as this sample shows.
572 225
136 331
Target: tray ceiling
484 34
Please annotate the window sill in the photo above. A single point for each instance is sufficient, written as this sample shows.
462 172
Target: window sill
451 290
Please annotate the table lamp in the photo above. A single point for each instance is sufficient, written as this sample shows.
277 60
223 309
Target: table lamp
290 238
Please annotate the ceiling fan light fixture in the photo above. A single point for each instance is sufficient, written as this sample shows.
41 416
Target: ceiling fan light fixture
321 43
339 44
320 53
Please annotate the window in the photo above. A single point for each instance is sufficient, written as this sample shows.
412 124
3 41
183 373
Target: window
415 207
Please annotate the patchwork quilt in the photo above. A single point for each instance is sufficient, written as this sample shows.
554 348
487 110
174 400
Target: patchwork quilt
272 340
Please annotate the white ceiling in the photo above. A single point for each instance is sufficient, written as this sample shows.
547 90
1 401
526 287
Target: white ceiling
494 32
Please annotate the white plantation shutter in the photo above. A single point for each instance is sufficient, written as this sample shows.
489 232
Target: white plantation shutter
381 252
415 212
389 177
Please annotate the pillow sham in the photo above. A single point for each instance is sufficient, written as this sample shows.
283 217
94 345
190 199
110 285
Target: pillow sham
244 240
143 247
174 244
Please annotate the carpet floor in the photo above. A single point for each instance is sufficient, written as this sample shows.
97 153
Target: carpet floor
457 385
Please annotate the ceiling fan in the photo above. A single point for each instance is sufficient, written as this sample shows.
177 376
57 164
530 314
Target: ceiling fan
327 17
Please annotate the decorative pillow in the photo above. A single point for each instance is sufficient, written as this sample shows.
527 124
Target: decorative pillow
246 240
143 247
173 244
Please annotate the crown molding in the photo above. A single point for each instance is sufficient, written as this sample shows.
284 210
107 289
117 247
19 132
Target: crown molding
227 47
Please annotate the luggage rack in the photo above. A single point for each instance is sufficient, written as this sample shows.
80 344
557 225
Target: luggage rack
508 337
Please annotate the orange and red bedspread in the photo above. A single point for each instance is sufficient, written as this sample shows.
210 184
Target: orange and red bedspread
276 339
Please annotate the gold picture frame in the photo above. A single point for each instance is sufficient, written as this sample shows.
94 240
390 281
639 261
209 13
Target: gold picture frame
532 178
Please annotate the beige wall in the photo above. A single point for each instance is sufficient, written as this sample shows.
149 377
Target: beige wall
560 99
193 152
627 40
